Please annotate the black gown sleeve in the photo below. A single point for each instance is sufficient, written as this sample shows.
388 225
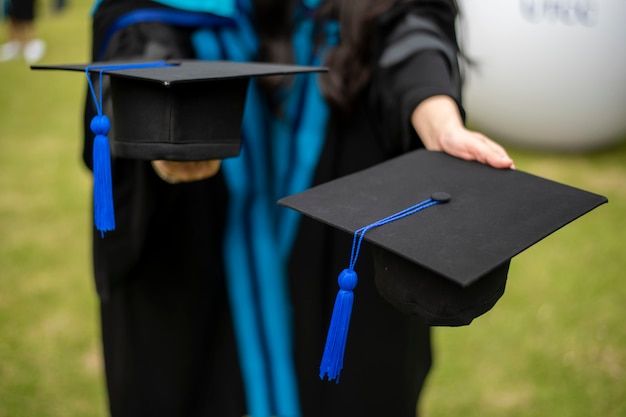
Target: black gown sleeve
414 57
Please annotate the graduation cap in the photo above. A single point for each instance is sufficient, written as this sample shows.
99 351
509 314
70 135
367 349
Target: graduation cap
443 231
184 110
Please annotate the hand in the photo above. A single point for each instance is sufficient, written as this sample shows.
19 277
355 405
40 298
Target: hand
439 125
175 172
473 146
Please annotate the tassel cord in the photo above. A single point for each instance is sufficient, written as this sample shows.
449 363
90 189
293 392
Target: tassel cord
113 67
359 234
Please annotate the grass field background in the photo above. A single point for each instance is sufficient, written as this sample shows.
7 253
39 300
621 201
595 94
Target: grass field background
555 345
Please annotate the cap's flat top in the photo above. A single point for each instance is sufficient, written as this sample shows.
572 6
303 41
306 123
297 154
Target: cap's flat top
492 216
189 70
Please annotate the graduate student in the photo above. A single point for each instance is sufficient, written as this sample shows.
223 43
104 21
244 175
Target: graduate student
214 300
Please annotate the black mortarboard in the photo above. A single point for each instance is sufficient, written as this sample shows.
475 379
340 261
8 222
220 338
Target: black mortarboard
179 110
447 259
174 110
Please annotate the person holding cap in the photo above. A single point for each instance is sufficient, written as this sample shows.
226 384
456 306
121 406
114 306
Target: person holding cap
214 300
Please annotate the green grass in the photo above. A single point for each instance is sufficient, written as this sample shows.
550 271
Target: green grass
555 344
50 360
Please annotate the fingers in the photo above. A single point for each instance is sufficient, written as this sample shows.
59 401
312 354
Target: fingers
474 146
491 153
175 172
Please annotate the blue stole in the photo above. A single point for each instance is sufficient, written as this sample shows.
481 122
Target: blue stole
278 158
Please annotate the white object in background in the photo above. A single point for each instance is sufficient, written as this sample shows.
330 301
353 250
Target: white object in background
549 74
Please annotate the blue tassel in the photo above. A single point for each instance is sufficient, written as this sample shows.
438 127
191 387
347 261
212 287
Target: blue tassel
332 360
104 214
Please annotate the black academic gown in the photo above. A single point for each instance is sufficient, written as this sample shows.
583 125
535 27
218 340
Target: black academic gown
168 341
388 353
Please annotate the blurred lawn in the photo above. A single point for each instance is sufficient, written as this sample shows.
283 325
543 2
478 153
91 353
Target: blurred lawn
555 345
50 362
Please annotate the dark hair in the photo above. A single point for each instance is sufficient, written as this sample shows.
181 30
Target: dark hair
349 62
